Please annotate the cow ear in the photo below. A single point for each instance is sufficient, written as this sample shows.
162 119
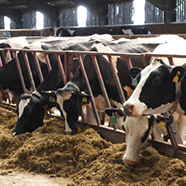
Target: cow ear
135 71
50 94
85 98
177 74
151 119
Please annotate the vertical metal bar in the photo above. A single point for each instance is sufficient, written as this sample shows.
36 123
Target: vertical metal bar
170 60
29 71
100 79
48 62
117 81
89 88
70 68
4 52
1 63
61 68
20 72
129 62
65 64
38 67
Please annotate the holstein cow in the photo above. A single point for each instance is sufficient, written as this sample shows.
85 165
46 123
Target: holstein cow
31 108
155 93
160 88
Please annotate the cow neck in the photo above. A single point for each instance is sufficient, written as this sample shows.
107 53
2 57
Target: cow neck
177 97
37 94
70 83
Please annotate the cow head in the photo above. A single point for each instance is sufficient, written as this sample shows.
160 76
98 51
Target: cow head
155 89
69 101
31 110
137 130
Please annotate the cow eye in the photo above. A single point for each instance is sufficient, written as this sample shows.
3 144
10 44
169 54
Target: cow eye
156 81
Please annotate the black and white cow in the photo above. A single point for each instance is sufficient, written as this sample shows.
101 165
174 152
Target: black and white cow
31 108
154 94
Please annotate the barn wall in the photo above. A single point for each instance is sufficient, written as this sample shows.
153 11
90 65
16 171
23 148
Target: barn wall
48 22
180 10
1 22
120 13
153 14
68 17
29 19
92 20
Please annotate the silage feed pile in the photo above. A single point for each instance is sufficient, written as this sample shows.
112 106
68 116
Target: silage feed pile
86 158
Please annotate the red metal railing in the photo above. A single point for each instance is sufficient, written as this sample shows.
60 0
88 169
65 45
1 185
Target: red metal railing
67 66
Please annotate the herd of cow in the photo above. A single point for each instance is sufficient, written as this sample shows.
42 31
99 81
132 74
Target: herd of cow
150 89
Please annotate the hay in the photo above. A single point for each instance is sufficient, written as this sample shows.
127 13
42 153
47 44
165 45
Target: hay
86 157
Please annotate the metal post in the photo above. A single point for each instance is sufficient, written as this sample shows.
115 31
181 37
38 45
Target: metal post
100 79
38 67
117 81
61 68
29 71
89 88
129 62
170 60
48 62
20 72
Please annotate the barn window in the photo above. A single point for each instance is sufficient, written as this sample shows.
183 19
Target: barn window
39 20
6 23
139 12
81 16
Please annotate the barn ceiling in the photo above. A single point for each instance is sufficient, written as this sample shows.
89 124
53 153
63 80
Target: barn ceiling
15 8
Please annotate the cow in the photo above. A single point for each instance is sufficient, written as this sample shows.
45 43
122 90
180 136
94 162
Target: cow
154 94
31 108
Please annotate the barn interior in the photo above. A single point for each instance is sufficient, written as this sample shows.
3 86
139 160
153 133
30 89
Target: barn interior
94 156
161 17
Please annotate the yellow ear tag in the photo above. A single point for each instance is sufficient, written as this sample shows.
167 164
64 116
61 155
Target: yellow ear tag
116 114
176 77
162 124
84 100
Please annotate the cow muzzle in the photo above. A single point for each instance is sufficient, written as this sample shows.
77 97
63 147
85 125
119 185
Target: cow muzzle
128 109
129 162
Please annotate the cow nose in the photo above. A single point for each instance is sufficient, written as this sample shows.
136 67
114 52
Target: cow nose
128 110
129 162
14 134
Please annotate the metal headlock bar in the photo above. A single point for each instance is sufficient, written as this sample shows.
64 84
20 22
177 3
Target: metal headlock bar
175 149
